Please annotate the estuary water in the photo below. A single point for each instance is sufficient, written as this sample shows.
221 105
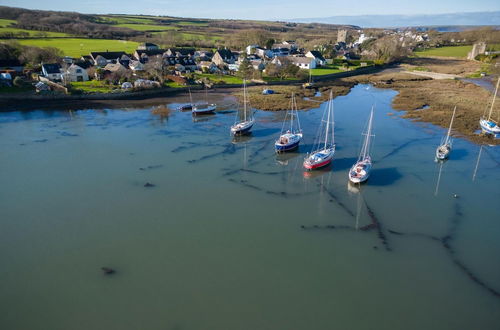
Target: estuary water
231 236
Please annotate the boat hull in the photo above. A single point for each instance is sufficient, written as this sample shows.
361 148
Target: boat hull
241 129
360 172
292 142
319 159
489 127
204 111
443 151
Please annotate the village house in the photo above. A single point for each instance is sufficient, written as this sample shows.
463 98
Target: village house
202 55
188 64
116 68
11 66
124 60
52 71
136 65
75 73
223 57
180 52
101 59
145 55
208 66
302 62
148 46
320 60
258 64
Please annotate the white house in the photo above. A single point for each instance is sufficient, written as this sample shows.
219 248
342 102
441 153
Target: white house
75 73
52 71
303 62
320 60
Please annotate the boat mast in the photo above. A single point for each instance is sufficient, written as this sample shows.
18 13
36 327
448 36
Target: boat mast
449 129
364 151
244 100
190 97
291 113
328 120
494 97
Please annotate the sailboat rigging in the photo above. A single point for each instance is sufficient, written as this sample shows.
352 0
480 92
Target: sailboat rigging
244 125
360 171
444 149
290 138
324 149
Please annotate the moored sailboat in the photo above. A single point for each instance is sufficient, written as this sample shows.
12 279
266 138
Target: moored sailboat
489 125
444 149
244 125
360 171
290 138
203 108
324 149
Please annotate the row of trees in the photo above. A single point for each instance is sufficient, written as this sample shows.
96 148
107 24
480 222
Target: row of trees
283 71
30 56
67 22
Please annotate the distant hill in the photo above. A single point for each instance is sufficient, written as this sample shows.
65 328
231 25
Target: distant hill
388 21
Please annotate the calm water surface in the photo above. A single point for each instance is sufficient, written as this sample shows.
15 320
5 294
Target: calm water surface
234 237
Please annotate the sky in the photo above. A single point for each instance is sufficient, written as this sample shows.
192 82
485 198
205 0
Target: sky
259 9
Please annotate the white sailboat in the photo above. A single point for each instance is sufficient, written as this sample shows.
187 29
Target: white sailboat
360 171
324 148
444 149
203 108
290 137
489 125
244 125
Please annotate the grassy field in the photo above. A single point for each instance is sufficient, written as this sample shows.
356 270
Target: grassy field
147 27
32 33
93 86
220 78
127 20
6 22
76 47
453 51
328 69
192 36
191 23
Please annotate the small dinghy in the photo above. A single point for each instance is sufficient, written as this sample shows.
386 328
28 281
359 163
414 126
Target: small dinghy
289 140
360 171
444 149
324 148
243 125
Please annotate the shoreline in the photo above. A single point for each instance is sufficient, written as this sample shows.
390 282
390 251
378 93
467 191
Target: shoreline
423 99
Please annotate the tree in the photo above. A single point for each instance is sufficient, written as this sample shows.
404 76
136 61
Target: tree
155 68
245 70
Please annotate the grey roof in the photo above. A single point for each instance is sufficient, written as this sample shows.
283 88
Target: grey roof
52 68
317 54
108 55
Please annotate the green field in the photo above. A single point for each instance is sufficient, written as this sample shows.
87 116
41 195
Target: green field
217 78
193 36
93 86
76 47
127 20
191 23
6 22
328 69
147 27
452 51
31 33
